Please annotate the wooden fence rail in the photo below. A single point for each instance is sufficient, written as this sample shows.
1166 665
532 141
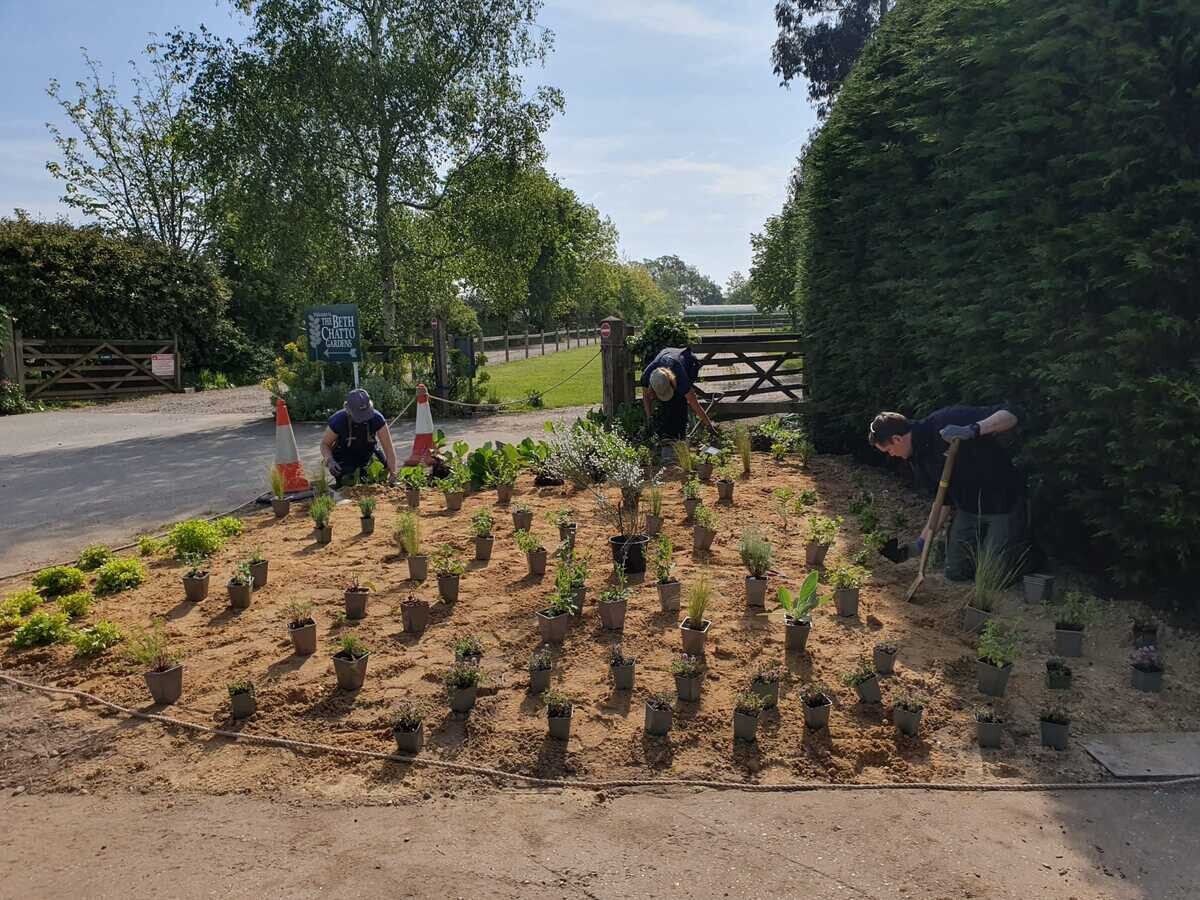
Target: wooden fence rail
96 368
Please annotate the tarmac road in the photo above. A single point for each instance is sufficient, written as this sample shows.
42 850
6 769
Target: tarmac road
109 473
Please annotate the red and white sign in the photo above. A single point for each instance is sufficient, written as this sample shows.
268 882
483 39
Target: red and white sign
605 330
162 365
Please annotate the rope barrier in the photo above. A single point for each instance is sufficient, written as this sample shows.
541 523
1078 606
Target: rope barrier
537 781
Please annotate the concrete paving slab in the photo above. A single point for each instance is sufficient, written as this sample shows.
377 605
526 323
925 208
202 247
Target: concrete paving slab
1148 755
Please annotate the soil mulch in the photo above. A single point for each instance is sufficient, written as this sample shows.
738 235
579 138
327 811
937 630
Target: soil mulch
298 697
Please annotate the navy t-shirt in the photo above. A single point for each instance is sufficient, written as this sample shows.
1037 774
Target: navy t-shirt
984 479
682 362
356 442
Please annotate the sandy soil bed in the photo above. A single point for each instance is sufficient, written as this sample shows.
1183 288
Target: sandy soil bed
298 697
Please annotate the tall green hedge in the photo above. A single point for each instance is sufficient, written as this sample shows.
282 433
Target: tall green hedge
1003 205
62 281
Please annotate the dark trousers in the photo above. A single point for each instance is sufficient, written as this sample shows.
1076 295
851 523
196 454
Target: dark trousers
354 467
1003 532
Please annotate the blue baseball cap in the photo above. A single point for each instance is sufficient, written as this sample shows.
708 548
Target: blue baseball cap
359 405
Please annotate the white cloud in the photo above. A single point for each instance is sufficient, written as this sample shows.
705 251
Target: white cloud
672 17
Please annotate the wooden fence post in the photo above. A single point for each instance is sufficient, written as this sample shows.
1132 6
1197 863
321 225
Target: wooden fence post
8 351
527 342
19 355
506 343
616 365
555 338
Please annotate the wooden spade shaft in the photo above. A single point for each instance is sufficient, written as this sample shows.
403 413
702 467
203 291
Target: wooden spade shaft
934 514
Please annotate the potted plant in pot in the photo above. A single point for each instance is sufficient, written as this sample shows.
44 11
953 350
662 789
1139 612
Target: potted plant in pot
865 681
684 458
797 612
884 657
350 663
1038 588
742 446
613 603
164 673
1074 614
765 683
468 649
704 467
414 613
821 533
541 663
242 702
355 599
366 514
449 568
688 672
522 516
653 511
846 581
668 586
453 487
906 713
817 700
280 504
621 666
534 550
691 500
320 511
693 630
757 554
1146 669
408 728
1145 633
407 532
301 627
554 619
704 532
413 478
558 715
995 573
746 710
564 520
462 686
502 476
989 728
996 654
483 525
1055 727
241 587
258 568
195 579
725 481
570 579
659 713
1058 675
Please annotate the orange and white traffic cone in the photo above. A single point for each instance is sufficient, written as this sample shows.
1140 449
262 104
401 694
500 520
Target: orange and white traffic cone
422 451
287 457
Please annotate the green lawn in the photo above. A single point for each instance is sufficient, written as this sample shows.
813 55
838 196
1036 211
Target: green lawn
513 381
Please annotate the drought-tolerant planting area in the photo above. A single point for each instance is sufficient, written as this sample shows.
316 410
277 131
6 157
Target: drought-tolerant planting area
236 641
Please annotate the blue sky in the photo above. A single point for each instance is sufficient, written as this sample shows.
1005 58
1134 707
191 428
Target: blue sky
674 127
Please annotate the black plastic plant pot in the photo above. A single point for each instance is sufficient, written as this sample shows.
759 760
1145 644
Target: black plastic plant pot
560 726
356 602
553 626
817 717
281 507
612 614
702 538
240 595
845 600
693 638
992 680
989 734
907 721
242 706
195 589
578 600
418 567
462 700
304 638
483 547
1068 642
1038 588
1149 682
412 497
704 472
539 681
1055 735
974 619
504 493
868 691
415 616
653 525
687 689
622 677
756 592
522 519
668 595
725 492
567 533
166 686
410 741
658 721
454 500
324 535
795 634
258 574
1058 680
350 672
885 663
629 552
448 587
367 524
536 561
547 481
814 555
745 727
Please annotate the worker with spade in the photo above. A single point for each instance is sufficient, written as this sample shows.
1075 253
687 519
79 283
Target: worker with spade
985 491
670 378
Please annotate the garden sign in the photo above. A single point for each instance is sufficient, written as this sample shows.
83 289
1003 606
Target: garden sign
333 334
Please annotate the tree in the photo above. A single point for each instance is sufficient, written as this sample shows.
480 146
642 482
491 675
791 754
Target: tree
360 111
819 40
775 254
132 167
737 290
684 284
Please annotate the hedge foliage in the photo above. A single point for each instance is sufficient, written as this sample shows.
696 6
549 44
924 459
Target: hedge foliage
62 281
1002 206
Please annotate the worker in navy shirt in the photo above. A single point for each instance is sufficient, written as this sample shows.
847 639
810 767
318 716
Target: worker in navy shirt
986 491
355 435
670 379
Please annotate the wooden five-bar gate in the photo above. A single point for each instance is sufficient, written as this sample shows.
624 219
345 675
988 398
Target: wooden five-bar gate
95 369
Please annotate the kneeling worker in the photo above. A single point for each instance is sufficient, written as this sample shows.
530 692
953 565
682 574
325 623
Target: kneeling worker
669 379
356 434
986 490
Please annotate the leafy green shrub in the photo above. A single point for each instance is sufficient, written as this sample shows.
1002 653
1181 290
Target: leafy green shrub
1032 197
658 333
229 526
195 537
95 639
75 605
151 546
42 628
58 580
22 602
12 399
93 556
119 575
